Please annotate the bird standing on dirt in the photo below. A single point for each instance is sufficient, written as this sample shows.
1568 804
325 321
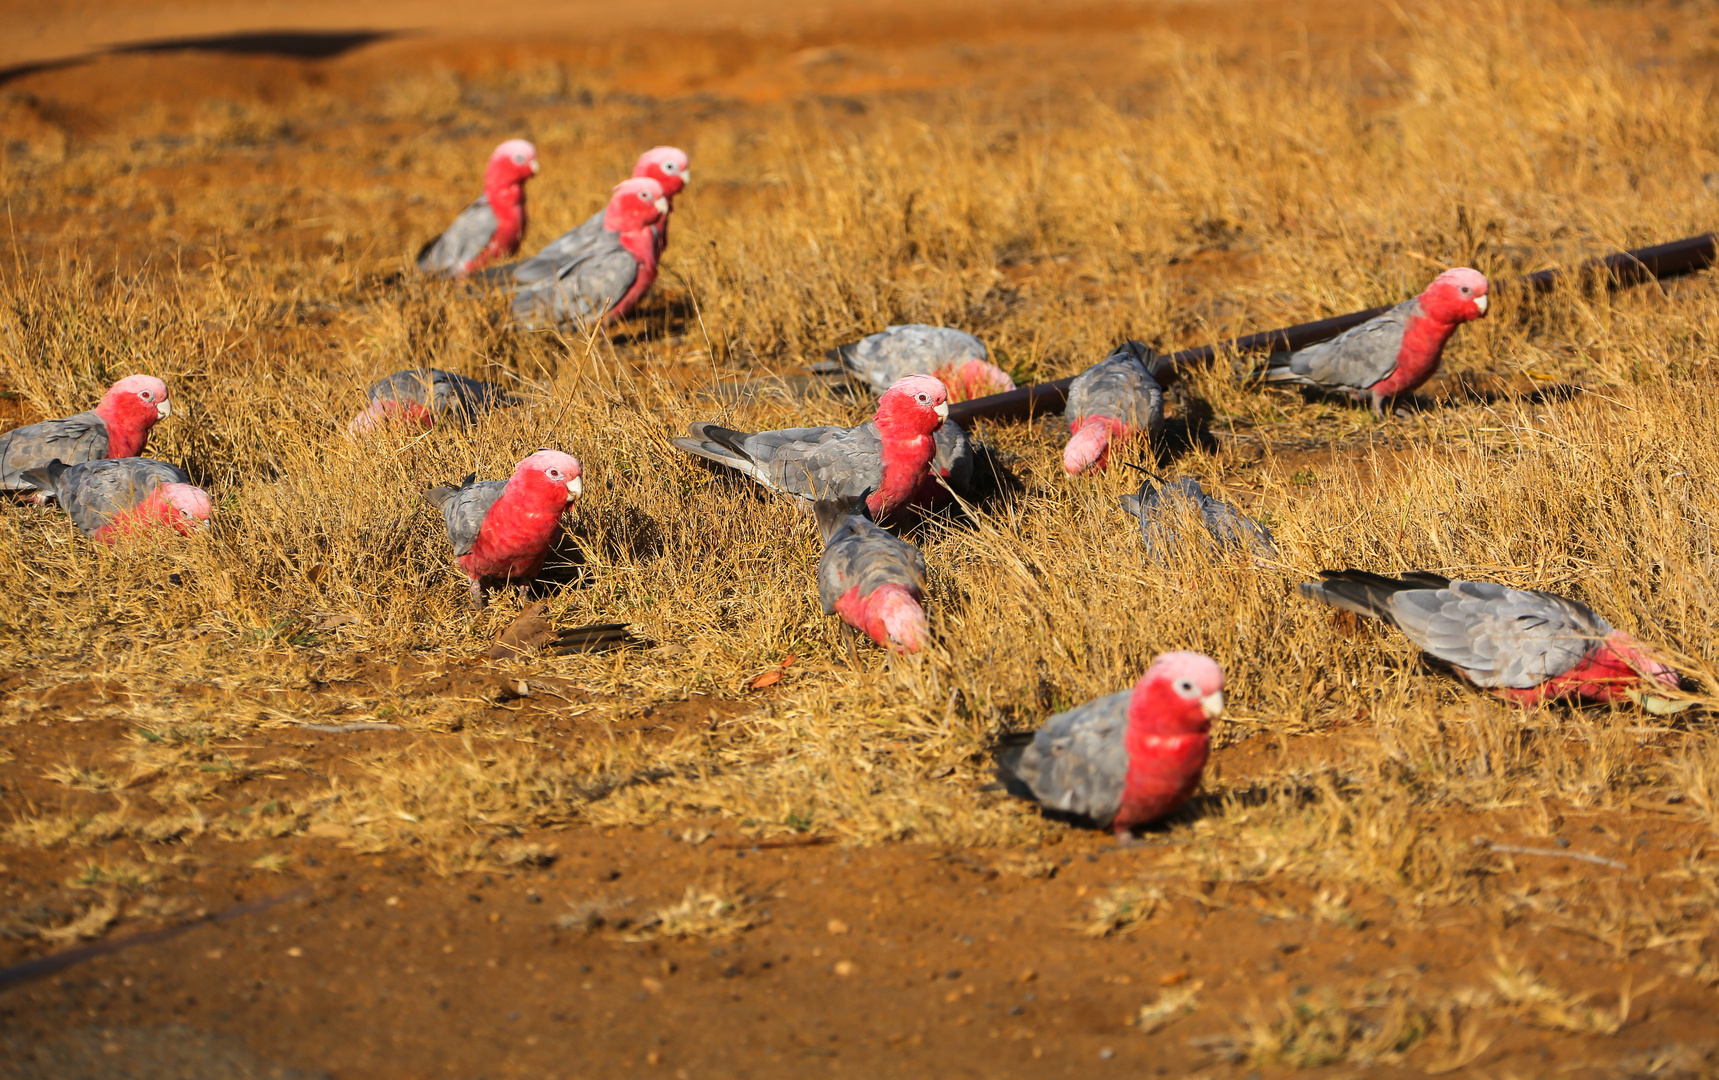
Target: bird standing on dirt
883 461
609 276
1127 759
955 358
1156 508
112 496
492 227
664 164
874 582
502 529
1525 646
1390 354
118 427
1110 401
424 397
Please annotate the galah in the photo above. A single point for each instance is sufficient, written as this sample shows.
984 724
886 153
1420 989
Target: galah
502 529
118 427
872 581
1127 759
1525 646
1158 509
664 164
955 358
952 463
492 227
608 278
111 496
883 461
1110 401
1393 353
424 397
668 166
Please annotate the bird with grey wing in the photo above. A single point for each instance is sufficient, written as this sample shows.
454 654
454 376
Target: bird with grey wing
1524 645
873 581
1160 509
1110 401
105 496
955 358
424 397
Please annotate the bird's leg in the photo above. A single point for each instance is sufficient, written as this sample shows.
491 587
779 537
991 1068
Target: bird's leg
853 654
524 594
1378 406
478 598
1124 837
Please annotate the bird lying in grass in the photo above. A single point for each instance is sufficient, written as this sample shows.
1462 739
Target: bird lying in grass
423 397
118 427
1127 759
1157 506
115 496
872 581
1114 399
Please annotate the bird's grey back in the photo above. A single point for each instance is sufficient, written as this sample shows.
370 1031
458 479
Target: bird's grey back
462 241
954 458
1158 508
586 286
1502 637
1077 762
73 440
896 352
1359 356
559 252
446 394
861 554
463 509
1120 387
94 492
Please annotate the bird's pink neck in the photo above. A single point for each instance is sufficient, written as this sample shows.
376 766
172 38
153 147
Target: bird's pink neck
1607 673
1167 740
890 616
1418 356
153 511
128 419
1089 448
907 453
507 202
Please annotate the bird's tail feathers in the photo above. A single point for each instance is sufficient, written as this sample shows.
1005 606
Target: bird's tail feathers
1360 591
436 496
45 477
830 512
727 438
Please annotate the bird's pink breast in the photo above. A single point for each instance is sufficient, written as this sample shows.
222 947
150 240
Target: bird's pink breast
128 419
1163 772
906 465
514 539
1417 357
1602 676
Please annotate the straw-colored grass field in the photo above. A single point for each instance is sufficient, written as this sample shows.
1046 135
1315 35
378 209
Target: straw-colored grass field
1466 887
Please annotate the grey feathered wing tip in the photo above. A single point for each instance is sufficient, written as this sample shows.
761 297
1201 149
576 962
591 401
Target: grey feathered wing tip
436 496
1366 593
46 478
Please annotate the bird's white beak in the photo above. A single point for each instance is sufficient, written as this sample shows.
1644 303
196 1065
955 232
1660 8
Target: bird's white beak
662 206
1212 705
534 166
685 175
1480 302
163 410
942 411
574 487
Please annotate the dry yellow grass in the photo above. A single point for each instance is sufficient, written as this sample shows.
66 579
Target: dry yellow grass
1502 138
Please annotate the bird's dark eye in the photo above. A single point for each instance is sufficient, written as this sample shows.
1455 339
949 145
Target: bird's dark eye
1186 688
1465 290
146 395
923 399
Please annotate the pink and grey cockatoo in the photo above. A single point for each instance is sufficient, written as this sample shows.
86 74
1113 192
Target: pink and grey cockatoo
952 463
874 582
1393 353
668 166
608 278
118 427
1159 509
491 228
502 530
884 460
1525 646
1127 759
1110 401
664 164
113 496
955 358
423 397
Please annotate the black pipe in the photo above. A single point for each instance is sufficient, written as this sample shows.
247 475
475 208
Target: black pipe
1618 270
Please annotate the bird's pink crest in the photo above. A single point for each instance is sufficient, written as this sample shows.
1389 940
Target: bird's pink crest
634 204
1181 692
1456 295
143 387
667 165
915 405
510 163
191 503
1089 447
554 466
902 618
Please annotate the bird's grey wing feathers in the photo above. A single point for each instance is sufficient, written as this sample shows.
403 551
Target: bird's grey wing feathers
1077 762
1499 636
1119 386
558 253
1355 359
74 440
953 458
462 242
820 463
586 288
463 509
861 555
94 492
910 349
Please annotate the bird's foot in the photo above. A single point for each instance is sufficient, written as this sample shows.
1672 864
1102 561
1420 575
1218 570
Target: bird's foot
1124 839
479 600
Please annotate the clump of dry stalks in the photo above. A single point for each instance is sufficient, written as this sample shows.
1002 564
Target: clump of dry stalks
1502 139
